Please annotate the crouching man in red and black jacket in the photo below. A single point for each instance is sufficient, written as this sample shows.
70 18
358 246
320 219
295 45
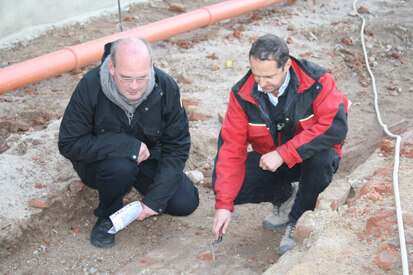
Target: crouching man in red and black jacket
295 119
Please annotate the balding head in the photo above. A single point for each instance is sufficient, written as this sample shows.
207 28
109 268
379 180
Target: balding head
130 64
131 49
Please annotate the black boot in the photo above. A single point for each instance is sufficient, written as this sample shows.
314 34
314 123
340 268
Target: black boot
100 236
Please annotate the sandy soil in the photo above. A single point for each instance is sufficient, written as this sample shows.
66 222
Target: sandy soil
55 240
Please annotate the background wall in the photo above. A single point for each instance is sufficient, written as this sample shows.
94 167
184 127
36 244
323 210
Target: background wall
21 19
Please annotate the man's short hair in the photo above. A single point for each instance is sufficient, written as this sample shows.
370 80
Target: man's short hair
115 45
272 48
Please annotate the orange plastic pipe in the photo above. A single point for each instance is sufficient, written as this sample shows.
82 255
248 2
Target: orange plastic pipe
70 58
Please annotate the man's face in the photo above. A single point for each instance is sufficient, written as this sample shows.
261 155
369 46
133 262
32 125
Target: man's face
131 73
268 75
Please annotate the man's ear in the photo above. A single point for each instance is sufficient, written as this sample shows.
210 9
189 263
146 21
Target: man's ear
287 65
111 67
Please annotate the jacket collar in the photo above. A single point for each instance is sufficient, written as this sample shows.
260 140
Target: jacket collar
247 88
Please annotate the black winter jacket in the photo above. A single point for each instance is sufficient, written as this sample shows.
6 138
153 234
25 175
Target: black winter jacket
93 128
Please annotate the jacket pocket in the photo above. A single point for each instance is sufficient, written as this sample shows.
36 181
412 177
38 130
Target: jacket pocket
257 130
106 128
307 122
260 137
152 135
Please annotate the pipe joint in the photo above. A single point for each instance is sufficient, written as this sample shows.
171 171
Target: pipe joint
75 55
211 16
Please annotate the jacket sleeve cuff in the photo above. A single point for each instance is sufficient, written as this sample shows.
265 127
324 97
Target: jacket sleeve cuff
290 157
134 155
223 205
152 205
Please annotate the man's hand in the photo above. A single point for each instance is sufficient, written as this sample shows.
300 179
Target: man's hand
143 153
271 161
146 212
220 222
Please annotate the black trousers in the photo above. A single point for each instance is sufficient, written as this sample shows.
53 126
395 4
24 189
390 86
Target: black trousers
113 178
313 174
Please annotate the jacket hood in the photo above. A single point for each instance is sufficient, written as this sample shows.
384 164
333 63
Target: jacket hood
106 52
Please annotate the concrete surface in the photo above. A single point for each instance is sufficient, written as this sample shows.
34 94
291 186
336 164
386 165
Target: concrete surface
23 18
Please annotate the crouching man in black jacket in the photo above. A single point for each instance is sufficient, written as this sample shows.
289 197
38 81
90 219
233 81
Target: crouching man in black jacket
125 127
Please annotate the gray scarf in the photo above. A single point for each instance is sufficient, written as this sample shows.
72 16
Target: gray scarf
110 90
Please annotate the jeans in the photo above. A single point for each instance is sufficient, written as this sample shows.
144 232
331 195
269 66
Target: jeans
313 174
113 178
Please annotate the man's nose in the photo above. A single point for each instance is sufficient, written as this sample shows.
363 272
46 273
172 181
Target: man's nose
134 84
262 82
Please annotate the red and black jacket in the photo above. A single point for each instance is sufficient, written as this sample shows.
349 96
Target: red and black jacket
314 119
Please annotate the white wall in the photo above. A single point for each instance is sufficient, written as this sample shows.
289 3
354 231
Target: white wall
22 19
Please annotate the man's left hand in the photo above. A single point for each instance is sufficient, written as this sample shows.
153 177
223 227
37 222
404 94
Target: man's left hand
143 153
271 161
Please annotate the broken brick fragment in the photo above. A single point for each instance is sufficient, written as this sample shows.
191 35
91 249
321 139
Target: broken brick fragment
177 7
346 41
38 204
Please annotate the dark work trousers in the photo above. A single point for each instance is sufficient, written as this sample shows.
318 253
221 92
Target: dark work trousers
313 174
113 178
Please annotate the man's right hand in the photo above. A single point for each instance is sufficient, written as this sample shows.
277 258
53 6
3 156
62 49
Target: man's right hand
220 222
146 212
143 153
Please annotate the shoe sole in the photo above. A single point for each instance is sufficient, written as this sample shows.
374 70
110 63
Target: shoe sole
272 227
102 245
283 250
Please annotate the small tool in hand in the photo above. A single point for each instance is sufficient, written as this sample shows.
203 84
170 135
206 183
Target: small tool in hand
211 247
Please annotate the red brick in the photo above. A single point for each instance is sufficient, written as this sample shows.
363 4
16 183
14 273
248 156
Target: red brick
177 7
384 172
18 125
38 204
374 196
407 152
366 189
387 147
40 120
196 116
304 227
189 102
306 54
212 56
395 55
346 41
362 9
75 186
385 257
384 187
381 222
237 34
408 220
38 185
183 79
37 158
